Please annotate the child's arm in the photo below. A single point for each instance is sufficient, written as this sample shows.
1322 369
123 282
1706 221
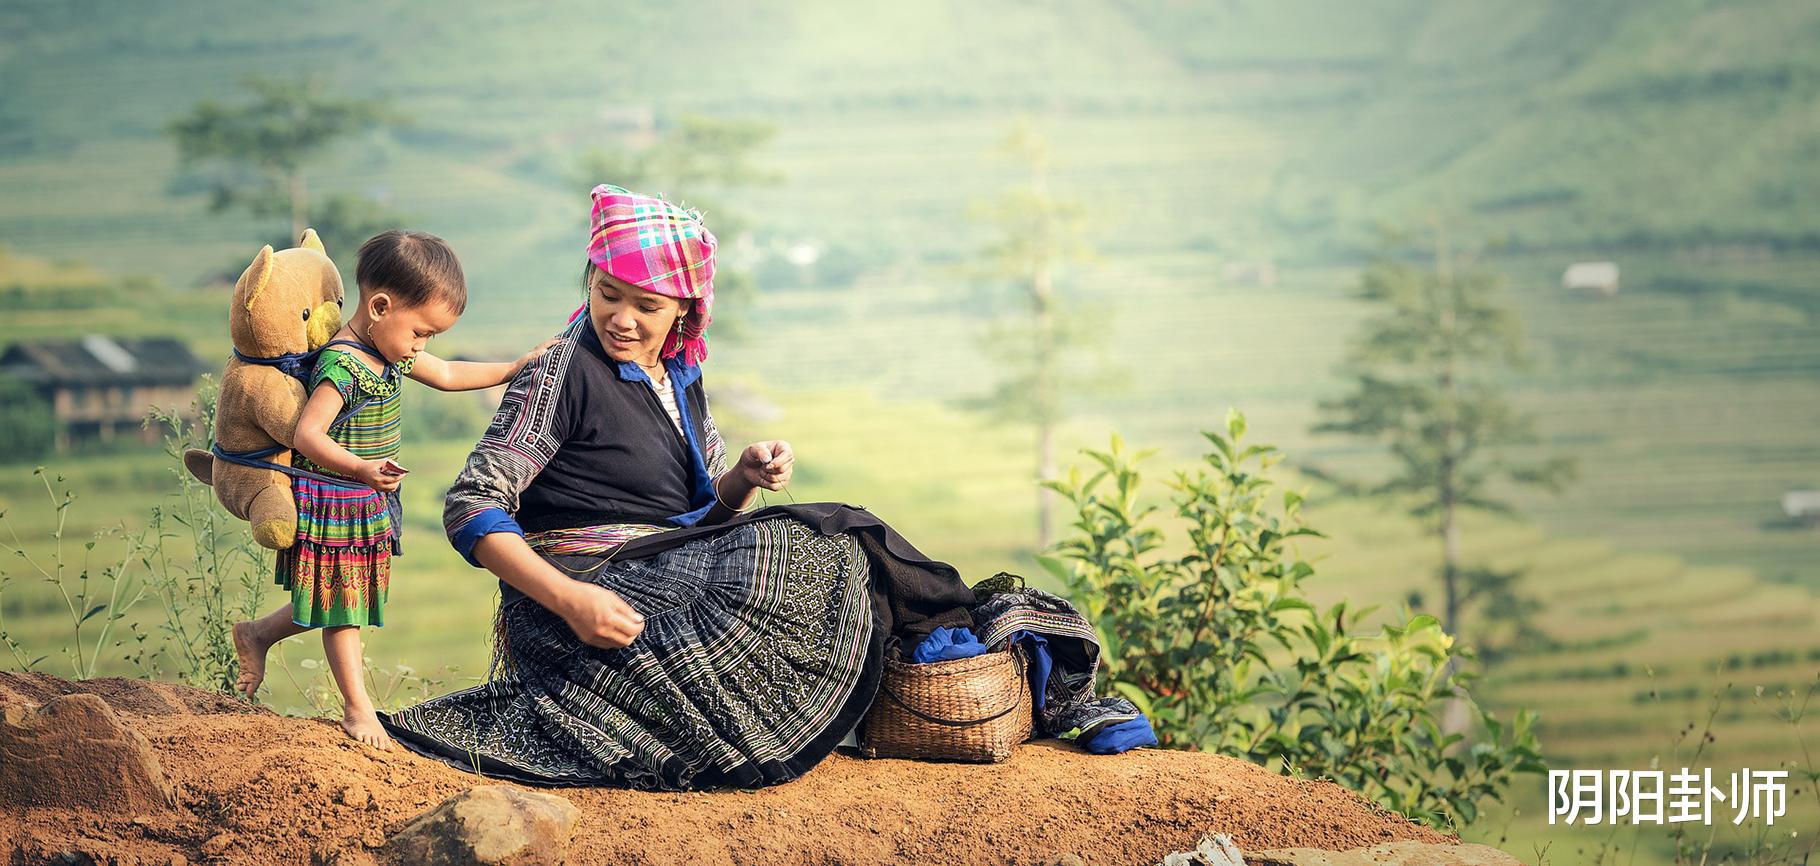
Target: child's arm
313 442
470 375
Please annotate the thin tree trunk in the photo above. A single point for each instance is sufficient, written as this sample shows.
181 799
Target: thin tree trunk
1446 495
299 207
1042 296
1454 718
1041 290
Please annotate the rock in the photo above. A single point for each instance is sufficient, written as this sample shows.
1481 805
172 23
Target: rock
218 844
1388 854
494 825
72 858
350 857
352 795
1068 859
1214 850
74 753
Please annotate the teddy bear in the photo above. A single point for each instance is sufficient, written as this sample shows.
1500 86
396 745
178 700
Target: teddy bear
285 306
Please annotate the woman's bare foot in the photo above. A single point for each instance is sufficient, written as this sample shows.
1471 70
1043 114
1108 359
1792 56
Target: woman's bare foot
251 651
363 725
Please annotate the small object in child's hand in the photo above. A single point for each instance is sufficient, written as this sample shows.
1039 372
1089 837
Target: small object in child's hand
391 468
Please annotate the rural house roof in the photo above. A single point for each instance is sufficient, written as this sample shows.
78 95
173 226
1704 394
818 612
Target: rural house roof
102 360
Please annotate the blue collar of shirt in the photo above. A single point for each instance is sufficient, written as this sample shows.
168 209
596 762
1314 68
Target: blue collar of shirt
682 375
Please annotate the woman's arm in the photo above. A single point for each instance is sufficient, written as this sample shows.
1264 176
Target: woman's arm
535 416
470 375
478 510
597 615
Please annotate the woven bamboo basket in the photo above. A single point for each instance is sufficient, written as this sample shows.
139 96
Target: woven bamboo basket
973 709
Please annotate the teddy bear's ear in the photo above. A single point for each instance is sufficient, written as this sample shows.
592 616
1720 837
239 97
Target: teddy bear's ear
257 275
312 242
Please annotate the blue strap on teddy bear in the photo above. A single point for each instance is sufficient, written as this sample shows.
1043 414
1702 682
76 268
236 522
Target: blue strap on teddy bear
294 364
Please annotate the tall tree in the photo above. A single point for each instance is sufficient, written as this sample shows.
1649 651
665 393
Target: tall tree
1036 235
252 156
1424 385
698 162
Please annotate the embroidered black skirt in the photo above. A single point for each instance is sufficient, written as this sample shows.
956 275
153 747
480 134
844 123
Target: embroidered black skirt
760 652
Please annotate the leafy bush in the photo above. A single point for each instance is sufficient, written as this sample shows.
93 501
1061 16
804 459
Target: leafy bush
202 565
96 590
189 558
1211 636
27 425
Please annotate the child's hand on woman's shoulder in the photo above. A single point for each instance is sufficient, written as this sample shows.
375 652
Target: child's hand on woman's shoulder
533 355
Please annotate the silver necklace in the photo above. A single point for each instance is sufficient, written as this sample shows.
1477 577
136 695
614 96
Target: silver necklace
651 370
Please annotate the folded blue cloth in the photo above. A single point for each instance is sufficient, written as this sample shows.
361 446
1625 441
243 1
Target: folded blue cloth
1036 648
1122 737
947 644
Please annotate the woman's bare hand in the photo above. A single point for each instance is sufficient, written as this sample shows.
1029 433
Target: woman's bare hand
767 464
599 617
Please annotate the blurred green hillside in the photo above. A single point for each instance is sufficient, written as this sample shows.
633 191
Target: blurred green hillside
1239 129
1678 139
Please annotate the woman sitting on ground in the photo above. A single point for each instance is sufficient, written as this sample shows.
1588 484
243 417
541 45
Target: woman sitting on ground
649 633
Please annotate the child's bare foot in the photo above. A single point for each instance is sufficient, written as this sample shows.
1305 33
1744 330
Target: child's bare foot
363 725
251 649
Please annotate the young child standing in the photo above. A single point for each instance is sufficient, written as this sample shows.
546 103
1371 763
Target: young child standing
348 512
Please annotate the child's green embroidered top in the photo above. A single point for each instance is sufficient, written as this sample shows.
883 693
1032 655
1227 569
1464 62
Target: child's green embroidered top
372 432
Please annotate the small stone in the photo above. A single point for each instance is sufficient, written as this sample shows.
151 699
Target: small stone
352 795
177 860
351 857
218 844
1405 853
492 825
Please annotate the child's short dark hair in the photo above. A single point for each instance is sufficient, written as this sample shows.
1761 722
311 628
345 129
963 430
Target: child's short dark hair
413 267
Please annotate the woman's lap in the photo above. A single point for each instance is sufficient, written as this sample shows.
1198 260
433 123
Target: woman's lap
756 641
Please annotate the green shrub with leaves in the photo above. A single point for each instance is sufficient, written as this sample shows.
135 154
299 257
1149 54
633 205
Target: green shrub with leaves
202 565
1210 635
27 426
190 558
97 589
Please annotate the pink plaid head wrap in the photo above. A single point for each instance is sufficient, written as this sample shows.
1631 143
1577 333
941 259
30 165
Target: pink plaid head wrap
661 248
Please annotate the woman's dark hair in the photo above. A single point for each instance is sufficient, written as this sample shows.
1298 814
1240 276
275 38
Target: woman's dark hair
413 267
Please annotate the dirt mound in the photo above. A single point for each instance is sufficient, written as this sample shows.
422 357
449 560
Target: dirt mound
74 751
254 787
142 697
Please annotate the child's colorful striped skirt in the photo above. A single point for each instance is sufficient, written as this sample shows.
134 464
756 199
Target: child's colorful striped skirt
340 568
